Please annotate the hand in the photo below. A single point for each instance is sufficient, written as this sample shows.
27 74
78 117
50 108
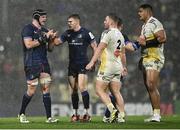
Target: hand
90 66
125 72
142 40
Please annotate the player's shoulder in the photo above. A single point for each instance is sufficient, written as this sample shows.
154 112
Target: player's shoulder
28 26
154 21
106 31
84 30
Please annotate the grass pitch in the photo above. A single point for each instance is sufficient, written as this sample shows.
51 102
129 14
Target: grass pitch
132 122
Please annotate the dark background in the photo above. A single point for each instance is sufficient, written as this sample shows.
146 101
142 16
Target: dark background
14 14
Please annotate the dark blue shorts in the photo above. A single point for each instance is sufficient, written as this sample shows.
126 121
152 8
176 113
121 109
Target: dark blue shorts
74 69
33 72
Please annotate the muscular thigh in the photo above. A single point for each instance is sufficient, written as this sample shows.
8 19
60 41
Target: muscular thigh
115 87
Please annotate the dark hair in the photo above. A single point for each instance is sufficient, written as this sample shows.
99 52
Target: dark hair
75 16
38 12
114 17
120 22
146 6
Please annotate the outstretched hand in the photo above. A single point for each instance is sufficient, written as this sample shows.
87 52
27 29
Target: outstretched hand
90 66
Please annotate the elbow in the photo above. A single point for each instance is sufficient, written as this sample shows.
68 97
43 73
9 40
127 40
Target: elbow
28 46
162 39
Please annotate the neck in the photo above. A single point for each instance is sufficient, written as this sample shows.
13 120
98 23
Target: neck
36 24
113 26
148 17
77 28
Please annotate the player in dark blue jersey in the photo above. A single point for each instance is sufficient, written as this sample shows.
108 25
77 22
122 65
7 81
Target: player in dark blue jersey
78 39
37 40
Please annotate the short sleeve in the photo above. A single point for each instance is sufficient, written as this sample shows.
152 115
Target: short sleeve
27 32
90 37
63 37
105 38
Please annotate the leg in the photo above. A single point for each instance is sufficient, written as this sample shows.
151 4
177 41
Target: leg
74 95
27 98
101 88
28 95
152 79
82 84
115 89
45 81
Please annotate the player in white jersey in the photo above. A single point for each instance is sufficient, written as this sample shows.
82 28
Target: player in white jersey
152 41
111 50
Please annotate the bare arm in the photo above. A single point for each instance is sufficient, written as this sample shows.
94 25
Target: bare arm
161 36
94 46
96 55
29 43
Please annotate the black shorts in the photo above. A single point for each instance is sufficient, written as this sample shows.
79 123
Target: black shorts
75 69
33 72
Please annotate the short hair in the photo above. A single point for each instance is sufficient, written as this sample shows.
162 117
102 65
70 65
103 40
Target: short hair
120 22
146 6
114 17
74 16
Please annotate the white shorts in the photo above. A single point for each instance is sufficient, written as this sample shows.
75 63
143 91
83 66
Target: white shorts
153 64
108 77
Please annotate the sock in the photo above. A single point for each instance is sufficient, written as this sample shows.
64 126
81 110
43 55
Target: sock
75 111
75 100
25 101
111 107
107 112
121 114
156 112
47 104
85 97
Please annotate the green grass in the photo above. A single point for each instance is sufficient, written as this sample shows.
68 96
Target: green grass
132 122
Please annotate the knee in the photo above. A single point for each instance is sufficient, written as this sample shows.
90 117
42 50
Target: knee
31 91
150 85
82 89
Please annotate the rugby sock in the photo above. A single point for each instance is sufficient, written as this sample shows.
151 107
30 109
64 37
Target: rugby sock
75 100
121 114
47 104
85 98
107 112
156 111
111 107
25 101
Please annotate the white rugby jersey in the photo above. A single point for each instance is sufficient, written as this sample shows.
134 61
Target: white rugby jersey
110 58
148 30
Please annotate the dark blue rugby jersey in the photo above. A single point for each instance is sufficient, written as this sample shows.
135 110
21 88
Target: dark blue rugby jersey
36 55
126 39
78 44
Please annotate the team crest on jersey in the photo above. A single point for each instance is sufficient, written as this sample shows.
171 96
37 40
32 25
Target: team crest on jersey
79 36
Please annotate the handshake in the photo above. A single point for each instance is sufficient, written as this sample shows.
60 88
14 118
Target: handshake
46 37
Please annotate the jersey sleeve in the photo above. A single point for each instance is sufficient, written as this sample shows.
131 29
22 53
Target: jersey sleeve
155 26
105 38
158 27
90 37
27 32
63 37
